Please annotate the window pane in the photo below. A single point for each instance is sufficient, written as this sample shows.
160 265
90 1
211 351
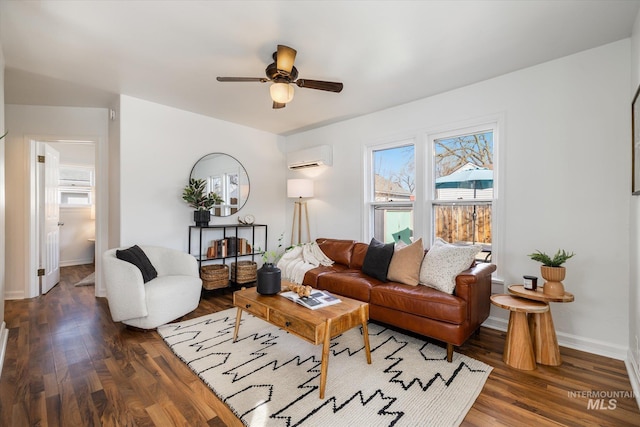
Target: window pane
393 223
393 193
463 223
463 168
75 197
394 174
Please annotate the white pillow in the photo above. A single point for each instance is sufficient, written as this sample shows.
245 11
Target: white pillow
443 262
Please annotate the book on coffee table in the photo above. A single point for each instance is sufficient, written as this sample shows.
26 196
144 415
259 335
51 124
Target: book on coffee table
317 299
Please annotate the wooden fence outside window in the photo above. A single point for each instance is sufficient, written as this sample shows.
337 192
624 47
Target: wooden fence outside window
454 223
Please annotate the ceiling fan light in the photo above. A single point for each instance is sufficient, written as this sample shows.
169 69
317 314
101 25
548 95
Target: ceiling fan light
281 92
285 57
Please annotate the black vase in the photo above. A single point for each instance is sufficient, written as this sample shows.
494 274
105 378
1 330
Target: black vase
202 218
268 279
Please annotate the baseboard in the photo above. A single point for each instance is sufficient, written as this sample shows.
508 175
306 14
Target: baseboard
496 323
4 335
575 342
11 295
70 263
633 370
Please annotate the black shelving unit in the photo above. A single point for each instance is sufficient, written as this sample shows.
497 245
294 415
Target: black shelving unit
204 234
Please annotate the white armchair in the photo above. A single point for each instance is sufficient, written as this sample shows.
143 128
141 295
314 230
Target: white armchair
174 293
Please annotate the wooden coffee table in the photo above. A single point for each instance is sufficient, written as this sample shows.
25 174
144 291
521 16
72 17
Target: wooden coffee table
315 326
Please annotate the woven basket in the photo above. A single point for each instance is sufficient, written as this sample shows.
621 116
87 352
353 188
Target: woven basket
214 276
243 271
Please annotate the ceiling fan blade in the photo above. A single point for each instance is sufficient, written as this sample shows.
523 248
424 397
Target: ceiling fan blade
277 105
320 85
242 79
285 58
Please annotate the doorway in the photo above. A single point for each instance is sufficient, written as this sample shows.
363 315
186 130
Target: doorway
66 194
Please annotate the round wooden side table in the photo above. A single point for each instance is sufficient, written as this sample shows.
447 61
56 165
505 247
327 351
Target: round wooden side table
545 342
518 347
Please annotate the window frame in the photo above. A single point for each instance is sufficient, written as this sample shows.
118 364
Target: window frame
422 139
479 126
369 178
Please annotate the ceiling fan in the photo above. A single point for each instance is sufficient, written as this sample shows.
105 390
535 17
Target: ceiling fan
284 75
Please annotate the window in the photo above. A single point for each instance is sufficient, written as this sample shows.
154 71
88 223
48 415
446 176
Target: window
435 185
392 192
463 188
75 185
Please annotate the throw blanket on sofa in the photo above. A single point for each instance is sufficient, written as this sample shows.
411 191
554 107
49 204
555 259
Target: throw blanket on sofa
300 259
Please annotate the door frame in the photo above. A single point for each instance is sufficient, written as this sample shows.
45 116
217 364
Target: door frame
32 282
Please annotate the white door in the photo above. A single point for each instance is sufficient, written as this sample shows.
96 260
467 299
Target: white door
50 237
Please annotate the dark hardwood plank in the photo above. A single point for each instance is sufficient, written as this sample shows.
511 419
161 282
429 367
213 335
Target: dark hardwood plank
67 363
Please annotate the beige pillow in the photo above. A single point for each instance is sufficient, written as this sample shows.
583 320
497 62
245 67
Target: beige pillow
405 263
443 262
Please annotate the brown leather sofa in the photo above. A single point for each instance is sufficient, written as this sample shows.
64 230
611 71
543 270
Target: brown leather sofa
420 309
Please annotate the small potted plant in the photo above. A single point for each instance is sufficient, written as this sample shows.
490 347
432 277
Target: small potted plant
552 270
196 196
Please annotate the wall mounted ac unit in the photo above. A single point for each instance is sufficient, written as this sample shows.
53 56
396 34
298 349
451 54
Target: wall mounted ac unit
321 155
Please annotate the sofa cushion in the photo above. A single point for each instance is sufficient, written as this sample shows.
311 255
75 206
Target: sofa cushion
311 276
443 262
421 301
357 255
137 257
377 259
349 283
405 263
337 249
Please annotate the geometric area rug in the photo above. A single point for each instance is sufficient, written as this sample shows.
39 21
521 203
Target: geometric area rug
271 378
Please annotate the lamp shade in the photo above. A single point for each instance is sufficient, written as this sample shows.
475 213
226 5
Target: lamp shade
281 92
299 188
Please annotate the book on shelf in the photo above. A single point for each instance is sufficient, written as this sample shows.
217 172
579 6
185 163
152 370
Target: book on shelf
317 299
223 248
212 251
232 246
228 247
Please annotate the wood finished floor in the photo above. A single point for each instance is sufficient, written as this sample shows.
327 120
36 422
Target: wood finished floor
68 364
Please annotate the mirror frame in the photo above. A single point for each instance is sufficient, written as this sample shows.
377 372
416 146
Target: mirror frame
224 180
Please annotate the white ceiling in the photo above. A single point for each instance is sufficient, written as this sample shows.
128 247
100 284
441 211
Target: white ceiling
80 53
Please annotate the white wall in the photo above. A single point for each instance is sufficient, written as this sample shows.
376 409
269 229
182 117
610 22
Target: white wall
633 365
3 330
565 170
27 122
158 147
112 214
76 248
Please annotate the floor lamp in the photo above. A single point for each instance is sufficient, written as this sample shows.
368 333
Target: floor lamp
299 189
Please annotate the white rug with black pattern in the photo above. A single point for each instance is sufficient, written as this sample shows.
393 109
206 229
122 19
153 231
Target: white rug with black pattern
271 378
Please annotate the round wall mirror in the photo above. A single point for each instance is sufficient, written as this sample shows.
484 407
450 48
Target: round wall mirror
226 177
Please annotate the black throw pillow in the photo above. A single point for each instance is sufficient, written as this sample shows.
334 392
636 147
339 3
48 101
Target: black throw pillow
137 257
377 259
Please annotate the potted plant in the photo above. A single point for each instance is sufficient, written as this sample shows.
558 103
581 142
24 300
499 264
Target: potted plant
196 196
552 270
